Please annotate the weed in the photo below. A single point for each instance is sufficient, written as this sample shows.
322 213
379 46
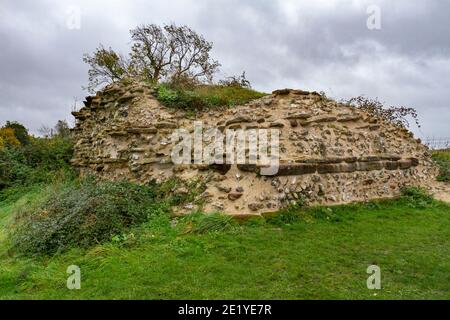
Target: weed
416 197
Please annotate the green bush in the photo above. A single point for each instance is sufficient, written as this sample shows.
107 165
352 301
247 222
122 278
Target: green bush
442 158
81 214
84 212
167 96
35 162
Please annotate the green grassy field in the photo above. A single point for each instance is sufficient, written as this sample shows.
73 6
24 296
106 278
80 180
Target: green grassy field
322 254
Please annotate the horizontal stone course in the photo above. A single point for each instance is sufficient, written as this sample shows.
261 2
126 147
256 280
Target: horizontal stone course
299 115
296 169
336 165
319 119
143 130
349 118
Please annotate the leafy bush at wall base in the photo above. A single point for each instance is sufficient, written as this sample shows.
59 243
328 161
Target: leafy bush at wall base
84 213
417 197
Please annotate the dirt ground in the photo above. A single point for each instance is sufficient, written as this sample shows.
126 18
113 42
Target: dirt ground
442 192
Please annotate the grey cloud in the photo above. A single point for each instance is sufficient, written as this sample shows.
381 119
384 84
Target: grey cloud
315 45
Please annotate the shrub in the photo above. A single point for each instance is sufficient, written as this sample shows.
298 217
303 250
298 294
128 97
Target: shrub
442 159
167 96
236 81
20 132
35 162
397 116
85 212
81 214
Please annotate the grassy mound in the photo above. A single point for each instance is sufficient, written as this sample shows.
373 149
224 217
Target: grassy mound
201 97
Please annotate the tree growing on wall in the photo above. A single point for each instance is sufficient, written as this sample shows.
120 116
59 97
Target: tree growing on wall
105 66
157 52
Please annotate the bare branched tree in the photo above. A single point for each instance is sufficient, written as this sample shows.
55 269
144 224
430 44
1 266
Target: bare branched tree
62 129
171 51
395 115
236 81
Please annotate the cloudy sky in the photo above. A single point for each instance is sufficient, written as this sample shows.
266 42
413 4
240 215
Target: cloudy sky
321 45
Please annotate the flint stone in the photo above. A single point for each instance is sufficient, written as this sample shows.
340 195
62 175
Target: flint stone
166 125
233 196
297 116
238 119
405 163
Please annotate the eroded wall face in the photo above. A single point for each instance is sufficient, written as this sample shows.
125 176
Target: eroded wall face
329 152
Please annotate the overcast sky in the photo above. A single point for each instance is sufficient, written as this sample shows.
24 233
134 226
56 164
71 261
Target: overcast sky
320 45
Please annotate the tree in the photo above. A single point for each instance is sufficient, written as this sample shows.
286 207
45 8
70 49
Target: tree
46 131
8 138
106 66
62 129
20 132
169 52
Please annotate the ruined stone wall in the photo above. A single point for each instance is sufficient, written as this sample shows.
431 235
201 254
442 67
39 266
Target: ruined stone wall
330 153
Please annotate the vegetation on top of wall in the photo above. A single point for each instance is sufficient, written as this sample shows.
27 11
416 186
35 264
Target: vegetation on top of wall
178 61
157 53
203 97
398 116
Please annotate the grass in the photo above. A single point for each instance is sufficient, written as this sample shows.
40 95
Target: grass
442 158
201 97
315 253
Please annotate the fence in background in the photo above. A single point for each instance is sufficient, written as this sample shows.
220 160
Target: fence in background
437 143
